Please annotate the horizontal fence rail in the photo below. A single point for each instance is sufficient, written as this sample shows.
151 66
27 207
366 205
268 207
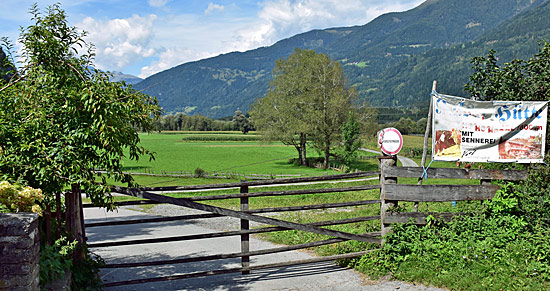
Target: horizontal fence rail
232 255
450 173
245 214
438 193
264 182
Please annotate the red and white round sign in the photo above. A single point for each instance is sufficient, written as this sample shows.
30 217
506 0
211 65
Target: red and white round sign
390 141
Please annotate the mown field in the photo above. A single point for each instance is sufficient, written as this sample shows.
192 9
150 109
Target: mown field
230 152
217 152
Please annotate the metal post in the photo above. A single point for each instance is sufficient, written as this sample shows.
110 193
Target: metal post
426 137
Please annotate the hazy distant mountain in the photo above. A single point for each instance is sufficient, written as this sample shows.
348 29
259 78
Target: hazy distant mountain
391 60
129 79
6 68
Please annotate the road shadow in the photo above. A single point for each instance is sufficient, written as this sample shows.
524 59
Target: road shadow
232 281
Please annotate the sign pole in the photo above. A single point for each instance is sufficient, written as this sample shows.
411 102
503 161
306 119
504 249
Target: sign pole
426 137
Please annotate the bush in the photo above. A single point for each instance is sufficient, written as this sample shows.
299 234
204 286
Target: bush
495 247
15 198
55 260
199 173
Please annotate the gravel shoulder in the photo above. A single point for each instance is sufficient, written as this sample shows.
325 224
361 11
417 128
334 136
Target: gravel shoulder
319 276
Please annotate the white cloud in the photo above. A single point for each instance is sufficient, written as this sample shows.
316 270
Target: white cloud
120 42
172 57
212 8
280 19
158 3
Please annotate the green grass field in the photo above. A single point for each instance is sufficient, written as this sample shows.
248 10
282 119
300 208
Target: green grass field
249 157
226 152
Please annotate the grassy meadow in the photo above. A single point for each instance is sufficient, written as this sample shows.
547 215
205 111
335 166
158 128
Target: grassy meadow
231 152
217 152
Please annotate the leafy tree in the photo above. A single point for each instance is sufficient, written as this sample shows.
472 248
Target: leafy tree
329 102
517 80
61 120
307 99
279 114
242 122
350 139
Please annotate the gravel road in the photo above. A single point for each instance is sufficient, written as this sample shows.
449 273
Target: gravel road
319 276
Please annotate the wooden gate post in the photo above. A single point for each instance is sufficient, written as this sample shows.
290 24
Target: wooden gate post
383 162
245 238
74 220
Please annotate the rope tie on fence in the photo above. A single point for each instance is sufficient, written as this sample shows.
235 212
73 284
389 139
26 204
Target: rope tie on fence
425 171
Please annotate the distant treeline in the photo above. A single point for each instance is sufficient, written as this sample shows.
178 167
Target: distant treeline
181 121
407 121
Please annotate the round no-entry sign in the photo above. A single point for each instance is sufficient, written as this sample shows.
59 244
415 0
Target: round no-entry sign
390 141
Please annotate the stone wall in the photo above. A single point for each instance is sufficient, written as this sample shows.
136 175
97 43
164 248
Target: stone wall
19 251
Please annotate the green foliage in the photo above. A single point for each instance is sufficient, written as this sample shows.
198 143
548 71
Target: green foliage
242 122
55 260
85 274
14 198
307 98
498 246
183 122
61 120
350 139
199 173
517 80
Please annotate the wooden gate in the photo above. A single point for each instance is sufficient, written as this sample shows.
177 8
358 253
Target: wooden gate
245 215
390 193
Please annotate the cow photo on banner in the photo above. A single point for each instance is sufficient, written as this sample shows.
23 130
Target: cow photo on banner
488 131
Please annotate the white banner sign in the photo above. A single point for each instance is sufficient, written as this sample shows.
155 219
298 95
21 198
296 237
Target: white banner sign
488 131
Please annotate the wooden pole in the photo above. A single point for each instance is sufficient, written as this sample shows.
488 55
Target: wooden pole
426 137
245 238
58 214
74 221
385 162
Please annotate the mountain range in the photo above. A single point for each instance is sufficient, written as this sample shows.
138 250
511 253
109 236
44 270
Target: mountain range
391 60
127 78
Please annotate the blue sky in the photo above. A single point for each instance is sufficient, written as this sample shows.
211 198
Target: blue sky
143 37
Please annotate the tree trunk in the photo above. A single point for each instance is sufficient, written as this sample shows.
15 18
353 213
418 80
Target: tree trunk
327 151
303 142
327 156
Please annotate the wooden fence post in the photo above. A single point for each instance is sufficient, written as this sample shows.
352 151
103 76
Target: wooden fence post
74 220
383 162
245 238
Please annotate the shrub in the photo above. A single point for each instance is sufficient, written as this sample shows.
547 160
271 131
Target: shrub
55 260
494 247
199 173
15 198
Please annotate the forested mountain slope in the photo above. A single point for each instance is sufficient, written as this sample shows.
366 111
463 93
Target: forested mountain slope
377 56
409 83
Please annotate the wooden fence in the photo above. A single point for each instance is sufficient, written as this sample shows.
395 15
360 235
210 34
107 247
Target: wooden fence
246 215
210 175
390 193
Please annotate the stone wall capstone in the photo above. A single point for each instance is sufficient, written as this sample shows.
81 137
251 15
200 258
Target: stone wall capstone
19 251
